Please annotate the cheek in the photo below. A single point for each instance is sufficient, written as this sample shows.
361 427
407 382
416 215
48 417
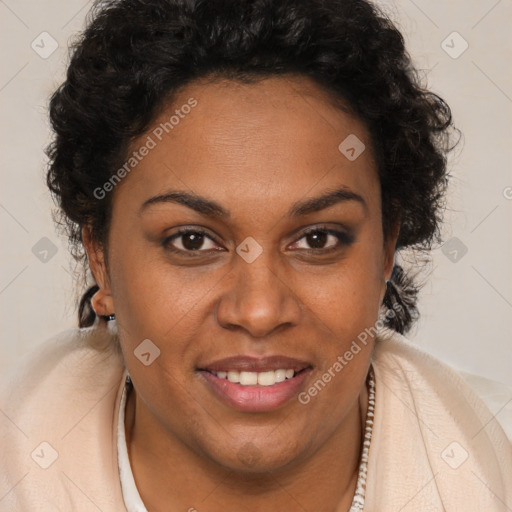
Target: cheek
150 293
346 310
348 297
153 301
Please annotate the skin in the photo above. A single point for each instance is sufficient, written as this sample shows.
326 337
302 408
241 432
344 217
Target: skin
256 150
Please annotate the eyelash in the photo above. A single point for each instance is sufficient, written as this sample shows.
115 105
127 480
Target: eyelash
344 240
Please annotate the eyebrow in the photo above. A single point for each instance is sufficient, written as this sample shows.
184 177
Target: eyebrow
211 208
324 201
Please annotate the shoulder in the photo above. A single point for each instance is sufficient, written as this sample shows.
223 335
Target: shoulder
75 358
399 356
58 407
496 396
433 425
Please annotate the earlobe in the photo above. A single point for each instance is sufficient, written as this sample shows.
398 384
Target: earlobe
102 304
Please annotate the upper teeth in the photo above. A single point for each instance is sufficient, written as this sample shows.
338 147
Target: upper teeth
252 378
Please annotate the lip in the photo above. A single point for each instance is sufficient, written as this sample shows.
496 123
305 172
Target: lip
256 364
255 398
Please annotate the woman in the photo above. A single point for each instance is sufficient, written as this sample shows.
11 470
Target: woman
239 177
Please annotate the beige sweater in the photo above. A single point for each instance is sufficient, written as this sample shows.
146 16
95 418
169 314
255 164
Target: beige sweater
435 446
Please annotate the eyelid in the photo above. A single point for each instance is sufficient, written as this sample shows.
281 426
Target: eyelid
344 236
184 230
326 227
191 228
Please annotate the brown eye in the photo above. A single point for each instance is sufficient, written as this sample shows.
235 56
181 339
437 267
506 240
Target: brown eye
186 241
192 241
323 240
317 239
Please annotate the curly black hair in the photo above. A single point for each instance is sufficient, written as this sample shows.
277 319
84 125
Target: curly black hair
135 54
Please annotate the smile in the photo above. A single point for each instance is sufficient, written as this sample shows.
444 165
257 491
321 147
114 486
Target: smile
256 391
268 378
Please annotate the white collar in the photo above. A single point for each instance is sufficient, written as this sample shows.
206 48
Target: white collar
131 496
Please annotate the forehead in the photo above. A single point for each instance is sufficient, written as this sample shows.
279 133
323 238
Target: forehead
274 139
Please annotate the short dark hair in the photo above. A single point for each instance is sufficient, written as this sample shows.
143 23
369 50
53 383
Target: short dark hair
135 54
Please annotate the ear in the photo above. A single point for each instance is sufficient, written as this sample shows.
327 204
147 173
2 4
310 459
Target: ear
389 257
389 251
102 301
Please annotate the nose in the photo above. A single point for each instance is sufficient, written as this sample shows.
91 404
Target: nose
259 300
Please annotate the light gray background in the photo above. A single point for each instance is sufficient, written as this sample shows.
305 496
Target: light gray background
466 304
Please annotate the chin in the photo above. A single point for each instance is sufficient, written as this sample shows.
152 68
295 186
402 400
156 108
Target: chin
252 458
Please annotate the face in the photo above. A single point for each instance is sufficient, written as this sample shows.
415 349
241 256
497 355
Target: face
244 240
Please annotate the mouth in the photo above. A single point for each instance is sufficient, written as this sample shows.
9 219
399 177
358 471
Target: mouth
267 378
255 384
